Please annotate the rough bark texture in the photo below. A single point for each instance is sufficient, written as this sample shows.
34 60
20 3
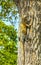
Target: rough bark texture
29 49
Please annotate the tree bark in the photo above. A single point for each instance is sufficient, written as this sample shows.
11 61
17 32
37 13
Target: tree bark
29 49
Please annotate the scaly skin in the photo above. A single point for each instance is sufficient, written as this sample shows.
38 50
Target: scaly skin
29 52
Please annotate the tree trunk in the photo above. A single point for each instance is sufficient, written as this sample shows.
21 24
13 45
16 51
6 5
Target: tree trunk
29 49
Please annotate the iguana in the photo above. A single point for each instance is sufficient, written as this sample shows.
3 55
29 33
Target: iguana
29 52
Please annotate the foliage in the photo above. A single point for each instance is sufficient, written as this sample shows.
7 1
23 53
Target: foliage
8 10
8 42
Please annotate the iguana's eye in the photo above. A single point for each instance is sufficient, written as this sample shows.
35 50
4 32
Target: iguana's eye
28 22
